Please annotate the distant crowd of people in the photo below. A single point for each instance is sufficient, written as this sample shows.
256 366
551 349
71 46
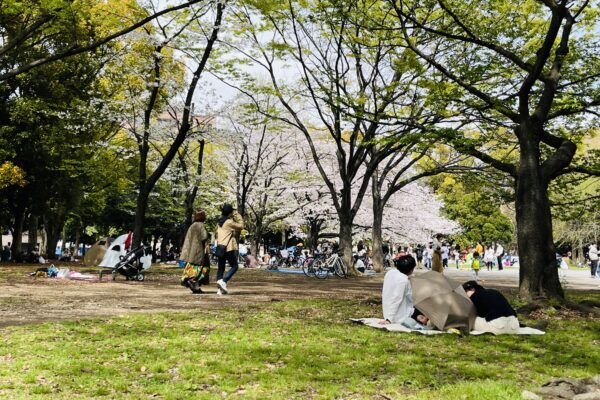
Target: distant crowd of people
439 255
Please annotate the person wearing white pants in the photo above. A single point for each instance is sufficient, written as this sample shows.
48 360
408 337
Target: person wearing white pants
494 313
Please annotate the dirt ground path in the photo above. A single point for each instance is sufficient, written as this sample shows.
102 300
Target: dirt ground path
25 300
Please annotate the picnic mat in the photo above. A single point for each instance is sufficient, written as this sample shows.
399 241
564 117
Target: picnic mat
286 271
375 323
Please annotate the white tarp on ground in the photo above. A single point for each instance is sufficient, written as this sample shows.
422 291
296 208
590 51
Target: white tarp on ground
376 323
114 252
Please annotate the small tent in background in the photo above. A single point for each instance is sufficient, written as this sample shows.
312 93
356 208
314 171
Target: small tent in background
96 253
114 252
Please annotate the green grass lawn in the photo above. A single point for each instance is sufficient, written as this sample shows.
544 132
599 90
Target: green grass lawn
284 350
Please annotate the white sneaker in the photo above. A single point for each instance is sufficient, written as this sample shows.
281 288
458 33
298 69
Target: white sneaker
219 292
222 286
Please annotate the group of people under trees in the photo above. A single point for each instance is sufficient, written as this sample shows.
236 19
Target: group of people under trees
494 313
437 256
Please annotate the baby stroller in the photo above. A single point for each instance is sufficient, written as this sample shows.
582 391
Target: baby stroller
131 265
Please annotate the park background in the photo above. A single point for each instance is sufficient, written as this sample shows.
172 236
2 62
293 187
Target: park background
373 120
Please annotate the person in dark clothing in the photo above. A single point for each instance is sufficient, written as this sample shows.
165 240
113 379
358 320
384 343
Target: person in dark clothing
494 312
385 249
419 255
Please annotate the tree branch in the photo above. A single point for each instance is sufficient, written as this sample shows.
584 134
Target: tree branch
74 50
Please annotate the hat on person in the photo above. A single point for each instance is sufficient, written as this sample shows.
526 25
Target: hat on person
226 209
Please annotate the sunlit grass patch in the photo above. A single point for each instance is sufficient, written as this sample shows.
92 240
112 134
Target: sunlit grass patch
284 350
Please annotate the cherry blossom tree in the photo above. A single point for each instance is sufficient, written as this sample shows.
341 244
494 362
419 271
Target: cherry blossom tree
412 215
413 163
266 168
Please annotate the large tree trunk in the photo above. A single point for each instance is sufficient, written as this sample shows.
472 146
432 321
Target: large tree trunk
54 223
346 241
256 240
376 232
32 232
53 233
140 216
76 243
577 253
154 244
164 241
313 236
190 196
538 273
377 242
42 232
17 230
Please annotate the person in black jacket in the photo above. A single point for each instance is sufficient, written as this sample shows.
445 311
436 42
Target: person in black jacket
494 312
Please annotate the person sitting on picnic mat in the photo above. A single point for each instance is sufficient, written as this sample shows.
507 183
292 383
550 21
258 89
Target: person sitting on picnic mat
494 313
398 306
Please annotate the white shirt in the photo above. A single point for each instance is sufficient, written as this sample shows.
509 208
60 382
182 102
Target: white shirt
444 252
593 252
359 264
396 296
499 250
489 255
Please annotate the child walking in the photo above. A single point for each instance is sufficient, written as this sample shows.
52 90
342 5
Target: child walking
476 265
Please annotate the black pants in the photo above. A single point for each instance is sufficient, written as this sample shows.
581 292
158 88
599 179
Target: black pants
232 258
594 266
500 268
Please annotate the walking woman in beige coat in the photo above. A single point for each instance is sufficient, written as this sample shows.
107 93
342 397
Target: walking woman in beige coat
228 231
196 255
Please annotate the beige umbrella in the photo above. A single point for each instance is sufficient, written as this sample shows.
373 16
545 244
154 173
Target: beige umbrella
443 301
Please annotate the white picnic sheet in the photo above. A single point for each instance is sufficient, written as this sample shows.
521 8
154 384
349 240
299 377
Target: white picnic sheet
376 323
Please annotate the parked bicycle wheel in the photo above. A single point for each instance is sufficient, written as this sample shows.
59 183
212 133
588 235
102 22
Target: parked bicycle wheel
340 268
309 267
299 262
321 269
274 262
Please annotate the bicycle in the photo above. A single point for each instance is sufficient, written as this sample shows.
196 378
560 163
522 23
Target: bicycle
333 265
309 264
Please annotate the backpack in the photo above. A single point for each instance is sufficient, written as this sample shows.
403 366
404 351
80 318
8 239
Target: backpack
476 264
